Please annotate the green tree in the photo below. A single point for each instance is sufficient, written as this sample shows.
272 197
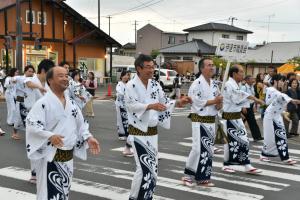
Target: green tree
154 53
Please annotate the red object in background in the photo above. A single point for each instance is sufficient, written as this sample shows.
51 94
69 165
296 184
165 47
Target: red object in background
109 90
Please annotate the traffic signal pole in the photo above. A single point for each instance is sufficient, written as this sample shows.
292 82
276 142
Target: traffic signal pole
19 62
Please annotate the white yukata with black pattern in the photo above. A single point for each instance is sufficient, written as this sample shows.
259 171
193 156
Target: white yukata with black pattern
47 117
122 117
75 90
237 150
137 98
275 140
199 163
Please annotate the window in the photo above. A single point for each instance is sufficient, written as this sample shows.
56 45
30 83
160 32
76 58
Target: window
225 36
39 15
30 17
239 37
171 40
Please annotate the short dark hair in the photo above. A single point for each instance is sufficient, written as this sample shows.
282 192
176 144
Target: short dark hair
123 73
75 73
233 69
12 72
62 63
201 63
139 61
45 65
29 67
247 77
277 77
49 75
288 76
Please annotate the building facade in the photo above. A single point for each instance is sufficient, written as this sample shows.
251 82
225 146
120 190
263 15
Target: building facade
59 32
151 38
212 32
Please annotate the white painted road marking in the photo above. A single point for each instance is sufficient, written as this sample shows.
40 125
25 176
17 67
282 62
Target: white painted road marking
11 194
177 184
78 185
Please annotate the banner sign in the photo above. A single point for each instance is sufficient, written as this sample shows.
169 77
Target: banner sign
232 49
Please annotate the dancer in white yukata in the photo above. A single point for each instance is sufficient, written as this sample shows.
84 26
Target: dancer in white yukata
275 139
55 129
10 94
122 117
236 152
207 101
21 111
147 107
77 91
36 87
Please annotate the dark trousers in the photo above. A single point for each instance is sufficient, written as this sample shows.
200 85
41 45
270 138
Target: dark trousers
250 118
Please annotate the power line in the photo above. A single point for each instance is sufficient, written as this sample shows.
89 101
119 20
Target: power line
139 7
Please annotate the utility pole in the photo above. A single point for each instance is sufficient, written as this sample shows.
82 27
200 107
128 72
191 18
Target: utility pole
110 54
19 56
268 34
135 25
98 13
232 20
109 17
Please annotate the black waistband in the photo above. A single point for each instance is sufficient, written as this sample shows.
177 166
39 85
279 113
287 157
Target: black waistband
135 131
203 119
231 115
63 155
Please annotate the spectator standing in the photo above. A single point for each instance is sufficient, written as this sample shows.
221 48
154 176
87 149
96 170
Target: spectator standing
293 109
91 85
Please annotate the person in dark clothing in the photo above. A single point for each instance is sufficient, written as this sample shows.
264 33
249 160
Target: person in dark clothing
293 109
249 112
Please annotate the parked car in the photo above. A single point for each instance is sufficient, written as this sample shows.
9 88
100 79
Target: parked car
166 77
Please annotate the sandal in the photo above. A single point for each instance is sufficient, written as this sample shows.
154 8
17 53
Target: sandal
187 181
228 169
264 159
289 162
254 171
205 183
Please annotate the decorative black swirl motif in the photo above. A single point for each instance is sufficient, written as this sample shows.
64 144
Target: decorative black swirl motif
280 140
58 181
238 143
148 162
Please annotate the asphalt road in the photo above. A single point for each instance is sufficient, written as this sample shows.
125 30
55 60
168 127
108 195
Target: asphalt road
108 176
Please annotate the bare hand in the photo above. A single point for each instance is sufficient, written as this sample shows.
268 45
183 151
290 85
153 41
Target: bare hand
218 99
261 102
157 106
93 145
295 101
57 141
43 90
244 111
219 106
184 100
81 98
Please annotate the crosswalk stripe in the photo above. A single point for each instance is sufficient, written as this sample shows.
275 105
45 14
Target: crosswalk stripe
239 182
292 151
177 185
78 185
252 152
9 194
270 173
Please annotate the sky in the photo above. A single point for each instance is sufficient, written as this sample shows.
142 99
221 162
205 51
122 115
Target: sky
270 20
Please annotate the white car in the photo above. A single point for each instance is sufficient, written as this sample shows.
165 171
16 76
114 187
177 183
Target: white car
166 77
